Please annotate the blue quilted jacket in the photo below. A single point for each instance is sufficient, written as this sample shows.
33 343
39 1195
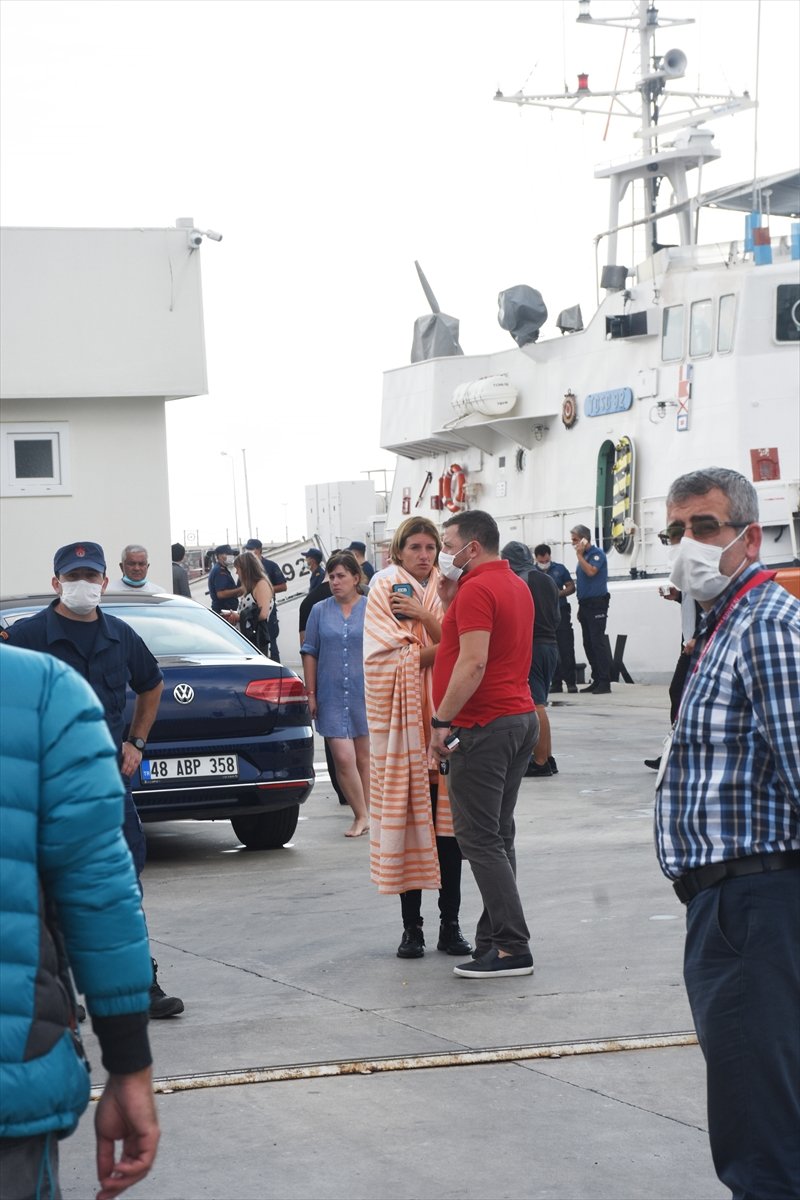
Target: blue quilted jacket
61 846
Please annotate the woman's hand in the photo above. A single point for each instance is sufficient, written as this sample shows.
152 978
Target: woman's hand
312 704
406 606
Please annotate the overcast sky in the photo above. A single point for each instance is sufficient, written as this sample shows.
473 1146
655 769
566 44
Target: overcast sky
332 144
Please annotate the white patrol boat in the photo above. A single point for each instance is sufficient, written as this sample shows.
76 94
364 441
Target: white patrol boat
691 359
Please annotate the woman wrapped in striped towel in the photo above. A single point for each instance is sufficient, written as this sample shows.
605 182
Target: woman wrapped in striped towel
412 844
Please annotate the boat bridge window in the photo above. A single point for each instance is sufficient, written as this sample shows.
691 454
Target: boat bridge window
787 315
672 333
727 312
700 339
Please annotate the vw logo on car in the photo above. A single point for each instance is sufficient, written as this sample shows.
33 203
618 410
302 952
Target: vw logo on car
183 693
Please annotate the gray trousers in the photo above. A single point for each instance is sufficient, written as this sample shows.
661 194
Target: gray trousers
29 1168
485 773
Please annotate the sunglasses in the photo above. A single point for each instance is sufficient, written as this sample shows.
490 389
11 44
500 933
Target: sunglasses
701 529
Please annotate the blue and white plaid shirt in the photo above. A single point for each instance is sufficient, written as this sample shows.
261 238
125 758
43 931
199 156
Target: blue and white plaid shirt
731 786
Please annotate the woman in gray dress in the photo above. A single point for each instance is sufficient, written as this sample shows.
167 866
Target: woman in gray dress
333 667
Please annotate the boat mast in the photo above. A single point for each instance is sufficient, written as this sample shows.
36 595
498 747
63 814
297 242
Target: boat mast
657 160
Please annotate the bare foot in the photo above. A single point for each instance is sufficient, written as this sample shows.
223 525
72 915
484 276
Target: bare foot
357 829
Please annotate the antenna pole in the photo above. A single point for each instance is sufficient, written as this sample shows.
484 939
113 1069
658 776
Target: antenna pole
427 289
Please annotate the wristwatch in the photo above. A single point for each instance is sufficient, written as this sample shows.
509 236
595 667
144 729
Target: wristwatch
437 724
139 743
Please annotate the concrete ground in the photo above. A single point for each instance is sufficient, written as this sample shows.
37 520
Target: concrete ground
288 957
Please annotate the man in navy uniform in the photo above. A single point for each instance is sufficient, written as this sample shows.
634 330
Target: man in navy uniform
278 580
313 559
592 582
222 587
565 671
359 550
109 655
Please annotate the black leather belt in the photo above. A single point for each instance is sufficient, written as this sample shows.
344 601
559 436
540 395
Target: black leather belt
694 882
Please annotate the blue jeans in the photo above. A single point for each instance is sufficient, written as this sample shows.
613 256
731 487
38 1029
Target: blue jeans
742 974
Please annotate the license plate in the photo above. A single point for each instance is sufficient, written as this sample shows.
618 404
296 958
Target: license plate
213 766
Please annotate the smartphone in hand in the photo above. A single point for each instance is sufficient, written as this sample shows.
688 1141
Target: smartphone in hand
404 589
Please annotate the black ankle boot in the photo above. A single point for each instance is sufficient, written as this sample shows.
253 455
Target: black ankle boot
413 943
452 940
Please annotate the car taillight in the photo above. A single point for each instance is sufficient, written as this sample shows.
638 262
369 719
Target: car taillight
286 689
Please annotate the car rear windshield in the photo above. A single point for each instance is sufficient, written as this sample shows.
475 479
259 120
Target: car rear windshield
179 631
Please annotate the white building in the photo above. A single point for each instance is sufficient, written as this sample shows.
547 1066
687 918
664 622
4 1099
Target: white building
100 327
341 512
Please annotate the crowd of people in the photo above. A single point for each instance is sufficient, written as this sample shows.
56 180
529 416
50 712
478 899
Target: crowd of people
430 687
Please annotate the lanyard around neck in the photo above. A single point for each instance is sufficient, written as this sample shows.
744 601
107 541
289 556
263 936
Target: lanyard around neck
759 578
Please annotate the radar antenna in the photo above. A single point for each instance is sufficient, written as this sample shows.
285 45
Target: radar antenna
691 147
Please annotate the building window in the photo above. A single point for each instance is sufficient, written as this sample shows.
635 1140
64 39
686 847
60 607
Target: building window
34 459
700 340
727 312
672 333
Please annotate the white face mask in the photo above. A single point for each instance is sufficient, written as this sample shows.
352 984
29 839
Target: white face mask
81 596
694 568
447 564
543 566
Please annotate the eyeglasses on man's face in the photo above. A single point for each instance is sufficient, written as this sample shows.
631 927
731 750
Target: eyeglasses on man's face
702 529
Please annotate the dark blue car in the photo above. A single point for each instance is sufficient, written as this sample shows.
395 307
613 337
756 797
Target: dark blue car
233 737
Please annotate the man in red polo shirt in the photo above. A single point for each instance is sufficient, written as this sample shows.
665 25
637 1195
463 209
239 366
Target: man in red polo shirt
481 695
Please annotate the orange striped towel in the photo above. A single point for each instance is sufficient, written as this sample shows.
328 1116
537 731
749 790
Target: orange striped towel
399 707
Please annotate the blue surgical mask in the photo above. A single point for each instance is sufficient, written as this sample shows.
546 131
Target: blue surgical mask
134 582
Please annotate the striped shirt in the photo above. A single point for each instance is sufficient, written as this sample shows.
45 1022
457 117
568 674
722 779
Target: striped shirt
731 785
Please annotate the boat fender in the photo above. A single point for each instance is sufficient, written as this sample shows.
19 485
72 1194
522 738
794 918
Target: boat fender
569 410
454 488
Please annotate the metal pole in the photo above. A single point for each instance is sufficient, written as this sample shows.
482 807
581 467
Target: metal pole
168 1084
225 454
247 492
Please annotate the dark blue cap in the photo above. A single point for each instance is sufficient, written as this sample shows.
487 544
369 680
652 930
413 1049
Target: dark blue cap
253 544
359 546
79 554
313 553
225 549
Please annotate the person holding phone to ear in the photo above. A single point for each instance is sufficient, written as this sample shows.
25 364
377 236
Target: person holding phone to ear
591 579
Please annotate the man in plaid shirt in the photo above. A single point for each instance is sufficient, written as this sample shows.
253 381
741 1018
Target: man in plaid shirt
728 831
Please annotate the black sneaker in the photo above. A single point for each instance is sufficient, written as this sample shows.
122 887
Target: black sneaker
452 940
590 688
492 966
551 762
162 1005
538 769
413 943
653 763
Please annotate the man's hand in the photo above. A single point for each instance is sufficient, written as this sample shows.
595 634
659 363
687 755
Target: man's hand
126 1112
437 749
131 757
447 589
